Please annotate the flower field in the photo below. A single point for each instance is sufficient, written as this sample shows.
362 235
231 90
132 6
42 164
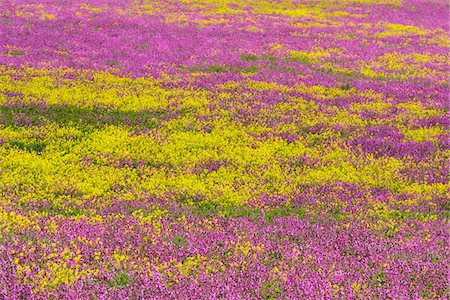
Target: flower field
226 149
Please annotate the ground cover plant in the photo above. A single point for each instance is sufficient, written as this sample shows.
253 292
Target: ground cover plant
226 149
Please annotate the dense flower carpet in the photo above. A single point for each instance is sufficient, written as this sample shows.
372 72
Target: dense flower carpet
224 149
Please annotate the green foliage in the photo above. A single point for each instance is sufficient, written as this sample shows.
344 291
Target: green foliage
251 69
270 290
180 241
350 36
301 58
284 211
15 53
217 69
121 279
345 87
251 57
53 209
33 147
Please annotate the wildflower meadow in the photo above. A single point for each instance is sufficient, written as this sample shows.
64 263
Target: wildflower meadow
224 149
